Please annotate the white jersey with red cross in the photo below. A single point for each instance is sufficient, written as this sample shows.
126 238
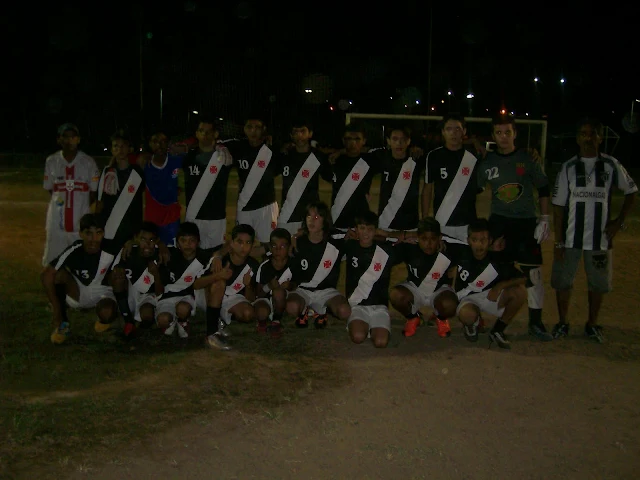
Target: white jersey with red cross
70 184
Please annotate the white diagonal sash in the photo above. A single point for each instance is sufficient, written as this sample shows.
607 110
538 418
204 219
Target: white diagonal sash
205 183
370 277
298 186
398 194
187 278
233 288
488 275
456 189
435 274
140 285
106 259
122 204
255 175
285 277
331 255
356 175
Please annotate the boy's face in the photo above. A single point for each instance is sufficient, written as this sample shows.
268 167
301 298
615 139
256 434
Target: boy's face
398 142
279 248
159 143
242 245
429 242
504 136
69 141
365 234
315 223
301 136
206 134
479 243
120 149
147 242
254 130
92 239
453 134
188 244
589 141
353 143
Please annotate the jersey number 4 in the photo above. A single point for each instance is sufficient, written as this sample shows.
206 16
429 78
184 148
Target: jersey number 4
492 173
194 170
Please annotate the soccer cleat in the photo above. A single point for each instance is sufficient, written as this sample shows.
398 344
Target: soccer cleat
218 342
539 331
129 329
411 325
594 332
444 329
500 338
183 328
261 327
101 327
303 320
222 328
560 330
61 333
471 331
275 329
320 321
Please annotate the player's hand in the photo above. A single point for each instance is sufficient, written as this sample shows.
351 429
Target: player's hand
273 284
558 254
443 246
613 227
535 156
216 265
224 154
287 147
542 230
126 249
153 268
118 275
163 253
416 152
226 272
498 244
351 234
493 294
333 156
247 278
285 285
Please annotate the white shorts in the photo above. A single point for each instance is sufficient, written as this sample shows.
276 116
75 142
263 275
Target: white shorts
485 305
291 227
457 233
228 302
377 316
318 299
211 232
56 243
168 305
420 299
137 299
90 295
263 220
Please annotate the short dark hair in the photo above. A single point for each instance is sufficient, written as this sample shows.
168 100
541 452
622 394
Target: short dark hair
503 119
429 224
281 233
356 128
397 127
188 229
324 211
456 117
593 123
92 220
302 122
149 227
479 224
209 121
120 134
243 228
366 217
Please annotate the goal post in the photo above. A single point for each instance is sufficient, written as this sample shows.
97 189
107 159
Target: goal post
530 133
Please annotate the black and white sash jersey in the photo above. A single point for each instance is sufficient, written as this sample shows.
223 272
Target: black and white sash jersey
427 272
316 266
257 168
267 272
235 283
475 276
87 268
136 268
454 175
180 273
399 192
205 181
300 174
121 193
368 272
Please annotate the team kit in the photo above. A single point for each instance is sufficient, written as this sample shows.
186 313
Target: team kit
134 257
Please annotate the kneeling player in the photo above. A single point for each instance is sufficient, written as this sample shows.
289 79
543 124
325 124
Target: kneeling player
484 284
272 280
367 284
137 281
77 278
315 270
427 281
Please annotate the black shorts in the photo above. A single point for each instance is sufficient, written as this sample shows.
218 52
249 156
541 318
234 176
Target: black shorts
521 246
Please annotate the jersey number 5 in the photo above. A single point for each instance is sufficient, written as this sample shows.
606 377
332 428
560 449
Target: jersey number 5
443 173
492 173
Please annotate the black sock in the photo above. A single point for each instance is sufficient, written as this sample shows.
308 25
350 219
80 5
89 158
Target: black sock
61 295
441 318
277 316
410 316
535 316
122 299
213 314
499 326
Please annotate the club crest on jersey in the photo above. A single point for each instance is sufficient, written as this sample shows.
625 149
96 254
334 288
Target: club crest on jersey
213 169
70 185
237 287
509 192
305 173
174 174
520 170
131 189
355 176
273 225
262 163
480 284
103 271
406 175
435 275
465 171
188 279
327 264
377 267
604 176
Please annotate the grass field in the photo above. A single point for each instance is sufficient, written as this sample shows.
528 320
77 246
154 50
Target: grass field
61 405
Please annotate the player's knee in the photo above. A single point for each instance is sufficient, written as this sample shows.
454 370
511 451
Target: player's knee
446 304
215 292
146 313
61 277
358 331
400 297
183 310
294 306
380 337
343 310
245 313
106 309
118 280
468 314
279 295
262 311
164 320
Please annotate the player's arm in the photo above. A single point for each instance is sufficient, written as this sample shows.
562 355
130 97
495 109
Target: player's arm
249 286
93 186
47 183
48 279
624 183
427 189
154 270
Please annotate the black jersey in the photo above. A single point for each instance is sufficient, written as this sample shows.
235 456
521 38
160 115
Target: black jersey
300 182
316 266
399 192
235 283
475 276
257 168
427 272
136 268
205 181
368 272
121 192
267 272
454 175
180 273
87 268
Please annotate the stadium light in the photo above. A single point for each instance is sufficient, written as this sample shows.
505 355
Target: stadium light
220 118
195 112
441 101
390 98
562 80
536 79
433 109
308 90
503 111
449 93
470 95
417 102
350 102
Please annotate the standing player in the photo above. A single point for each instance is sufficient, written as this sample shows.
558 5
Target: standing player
301 168
71 177
257 167
206 173
513 176
315 270
451 181
78 278
120 193
583 226
427 281
487 284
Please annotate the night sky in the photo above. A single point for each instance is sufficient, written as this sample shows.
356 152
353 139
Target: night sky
80 62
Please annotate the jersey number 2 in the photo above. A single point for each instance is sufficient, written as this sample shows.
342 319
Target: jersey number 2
492 173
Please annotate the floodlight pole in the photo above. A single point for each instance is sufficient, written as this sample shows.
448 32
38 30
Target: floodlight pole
429 61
